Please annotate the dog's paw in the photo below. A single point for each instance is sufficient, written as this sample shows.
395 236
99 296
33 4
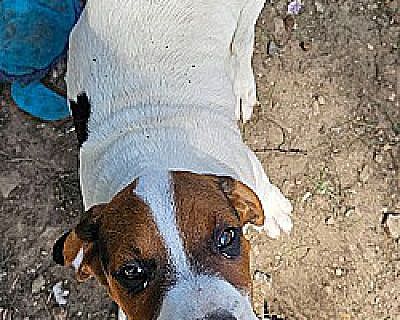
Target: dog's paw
277 214
246 99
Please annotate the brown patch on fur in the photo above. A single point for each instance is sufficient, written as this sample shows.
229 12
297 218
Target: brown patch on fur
244 200
128 232
112 235
203 206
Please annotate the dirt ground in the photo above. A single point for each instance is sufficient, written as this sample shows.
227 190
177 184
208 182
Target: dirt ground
327 132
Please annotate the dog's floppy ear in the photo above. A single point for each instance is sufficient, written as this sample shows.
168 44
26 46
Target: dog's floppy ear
79 247
243 200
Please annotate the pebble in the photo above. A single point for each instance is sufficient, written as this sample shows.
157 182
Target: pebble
365 173
272 48
392 97
306 196
9 183
349 211
393 225
338 272
321 100
281 34
306 45
262 276
387 147
329 221
378 158
38 284
319 7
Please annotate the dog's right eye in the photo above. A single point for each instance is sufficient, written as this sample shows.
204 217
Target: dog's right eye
135 275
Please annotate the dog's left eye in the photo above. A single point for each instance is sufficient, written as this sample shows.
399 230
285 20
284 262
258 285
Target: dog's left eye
134 276
227 241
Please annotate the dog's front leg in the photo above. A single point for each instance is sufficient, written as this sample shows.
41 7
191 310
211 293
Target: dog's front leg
277 208
241 55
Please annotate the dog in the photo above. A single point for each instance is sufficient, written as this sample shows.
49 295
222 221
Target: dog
156 90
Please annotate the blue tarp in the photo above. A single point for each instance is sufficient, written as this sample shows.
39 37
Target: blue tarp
33 37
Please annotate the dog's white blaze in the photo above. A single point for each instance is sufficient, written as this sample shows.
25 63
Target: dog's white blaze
156 190
76 263
121 315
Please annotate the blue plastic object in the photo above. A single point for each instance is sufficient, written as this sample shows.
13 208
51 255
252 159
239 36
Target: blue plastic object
33 37
39 101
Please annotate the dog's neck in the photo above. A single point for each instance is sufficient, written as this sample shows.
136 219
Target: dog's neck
140 139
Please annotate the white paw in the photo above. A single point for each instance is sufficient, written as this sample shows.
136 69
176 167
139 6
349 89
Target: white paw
277 212
246 98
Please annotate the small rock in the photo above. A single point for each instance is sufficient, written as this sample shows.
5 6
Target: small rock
9 183
281 36
349 211
262 276
315 108
319 7
378 158
370 46
306 196
321 100
392 97
38 284
387 147
365 173
272 48
306 45
392 225
338 272
329 221
275 135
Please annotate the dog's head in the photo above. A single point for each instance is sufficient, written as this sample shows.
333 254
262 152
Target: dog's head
169 246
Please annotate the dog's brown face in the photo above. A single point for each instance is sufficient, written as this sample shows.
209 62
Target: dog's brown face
170 254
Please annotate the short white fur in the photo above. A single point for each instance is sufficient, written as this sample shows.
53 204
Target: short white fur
193 296
156 189
167 81
76 263
196 297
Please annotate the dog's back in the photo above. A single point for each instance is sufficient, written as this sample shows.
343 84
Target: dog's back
173 52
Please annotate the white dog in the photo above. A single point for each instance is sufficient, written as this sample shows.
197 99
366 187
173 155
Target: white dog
156 89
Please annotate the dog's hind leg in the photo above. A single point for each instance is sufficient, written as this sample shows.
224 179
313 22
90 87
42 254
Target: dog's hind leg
241 55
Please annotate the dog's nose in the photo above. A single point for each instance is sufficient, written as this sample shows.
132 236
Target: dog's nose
220 315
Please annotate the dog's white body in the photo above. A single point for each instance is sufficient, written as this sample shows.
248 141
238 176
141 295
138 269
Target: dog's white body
167 81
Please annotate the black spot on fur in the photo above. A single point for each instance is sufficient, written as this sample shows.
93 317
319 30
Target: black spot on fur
58 249
81 113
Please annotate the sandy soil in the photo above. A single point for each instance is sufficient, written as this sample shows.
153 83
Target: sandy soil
328 133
